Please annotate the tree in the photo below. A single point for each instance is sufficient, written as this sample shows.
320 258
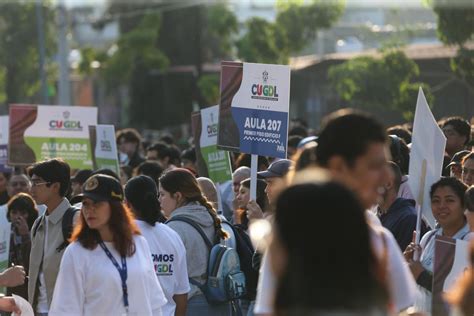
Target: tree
455 27
19 58
384 83
295 27
263 42
137 46
157 38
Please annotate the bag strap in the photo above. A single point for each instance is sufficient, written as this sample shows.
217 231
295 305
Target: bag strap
195 226
432 234
66 227
35 227
204 237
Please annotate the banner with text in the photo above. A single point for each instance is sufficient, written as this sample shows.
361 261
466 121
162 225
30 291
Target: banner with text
451 260
5 233
253 113
39 132
4 144
104 147
212 162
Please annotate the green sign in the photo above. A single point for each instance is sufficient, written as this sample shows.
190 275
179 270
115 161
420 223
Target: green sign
39 132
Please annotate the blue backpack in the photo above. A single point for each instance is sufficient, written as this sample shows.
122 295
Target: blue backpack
225 281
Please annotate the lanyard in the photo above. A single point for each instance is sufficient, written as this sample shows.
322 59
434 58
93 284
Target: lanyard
122 271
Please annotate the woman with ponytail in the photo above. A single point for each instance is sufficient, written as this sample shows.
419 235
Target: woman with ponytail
167 249
180 196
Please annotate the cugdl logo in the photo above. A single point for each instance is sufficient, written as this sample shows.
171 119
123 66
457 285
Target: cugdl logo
264 91
65 124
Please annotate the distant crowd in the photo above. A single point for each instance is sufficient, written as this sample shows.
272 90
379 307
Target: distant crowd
331 231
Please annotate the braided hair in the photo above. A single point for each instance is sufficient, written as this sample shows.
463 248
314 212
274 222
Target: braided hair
183 181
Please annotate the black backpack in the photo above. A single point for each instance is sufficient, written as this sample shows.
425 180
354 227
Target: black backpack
66 226
245 250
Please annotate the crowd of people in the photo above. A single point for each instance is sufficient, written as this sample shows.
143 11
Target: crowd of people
341 213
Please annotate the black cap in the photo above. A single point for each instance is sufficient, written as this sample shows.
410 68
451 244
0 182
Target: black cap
101 187
457 158
81 176
278 169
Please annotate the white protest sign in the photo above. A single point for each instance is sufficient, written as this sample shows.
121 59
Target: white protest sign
428 144
104 147
4 124
253 109
460 265
5 232
217 160
451 261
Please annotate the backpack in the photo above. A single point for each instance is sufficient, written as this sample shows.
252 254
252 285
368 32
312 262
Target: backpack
246 252
225 281
66 227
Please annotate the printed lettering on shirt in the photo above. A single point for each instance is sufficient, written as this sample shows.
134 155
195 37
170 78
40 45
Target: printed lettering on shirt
163 264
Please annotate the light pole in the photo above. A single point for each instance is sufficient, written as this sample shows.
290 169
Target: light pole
42 73
64 95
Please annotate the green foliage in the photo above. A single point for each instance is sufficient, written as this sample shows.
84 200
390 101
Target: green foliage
209 87
299 23
385 83
463 65
456 27
137 46
222 25
296 26
455 20
263 42
19 58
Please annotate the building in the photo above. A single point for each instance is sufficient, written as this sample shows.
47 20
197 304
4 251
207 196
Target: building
312 97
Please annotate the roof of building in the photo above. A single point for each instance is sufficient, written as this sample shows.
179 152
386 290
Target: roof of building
415 52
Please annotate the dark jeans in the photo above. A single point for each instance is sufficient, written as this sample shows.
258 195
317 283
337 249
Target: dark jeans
198 306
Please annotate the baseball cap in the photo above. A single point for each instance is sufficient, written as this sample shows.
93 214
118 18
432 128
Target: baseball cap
457 158
101 187
277 169
81 176
307 140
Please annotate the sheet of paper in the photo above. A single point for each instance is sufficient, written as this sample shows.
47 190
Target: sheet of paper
25 307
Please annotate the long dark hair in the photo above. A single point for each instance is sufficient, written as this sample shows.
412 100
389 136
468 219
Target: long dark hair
25 203
262 199
329 254
142 194
122 225
182 180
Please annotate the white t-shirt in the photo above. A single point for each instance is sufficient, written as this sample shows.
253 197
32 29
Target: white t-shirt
266 288
89 284
169 259
402 286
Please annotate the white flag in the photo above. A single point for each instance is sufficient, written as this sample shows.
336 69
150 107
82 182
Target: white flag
428 143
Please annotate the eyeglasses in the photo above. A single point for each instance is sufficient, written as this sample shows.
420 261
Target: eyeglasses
38 183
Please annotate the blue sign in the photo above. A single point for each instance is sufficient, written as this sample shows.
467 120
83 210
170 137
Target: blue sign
253 113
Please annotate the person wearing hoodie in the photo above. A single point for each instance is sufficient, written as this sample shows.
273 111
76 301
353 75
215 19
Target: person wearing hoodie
180 196
398 214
